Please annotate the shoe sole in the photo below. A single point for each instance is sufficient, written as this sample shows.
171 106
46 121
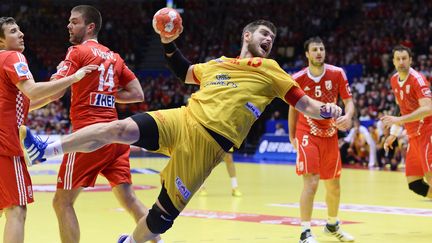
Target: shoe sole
22 136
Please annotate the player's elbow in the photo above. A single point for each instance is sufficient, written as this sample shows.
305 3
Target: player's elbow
140 96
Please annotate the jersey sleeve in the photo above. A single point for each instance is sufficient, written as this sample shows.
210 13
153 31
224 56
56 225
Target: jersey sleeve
282 81
71 63
423 88
197 72
16 68
344 88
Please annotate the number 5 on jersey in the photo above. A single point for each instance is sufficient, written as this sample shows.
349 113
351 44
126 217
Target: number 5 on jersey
305 140
106 80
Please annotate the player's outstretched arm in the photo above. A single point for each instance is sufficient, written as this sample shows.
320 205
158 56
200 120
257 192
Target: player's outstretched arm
178 63
423 111
292 125
317 109
43 90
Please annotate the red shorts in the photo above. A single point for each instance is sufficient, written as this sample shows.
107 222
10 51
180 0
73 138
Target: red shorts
81 169
15 183
419 155
318 155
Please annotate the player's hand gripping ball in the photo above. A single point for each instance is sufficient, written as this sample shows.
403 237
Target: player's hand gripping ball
167 22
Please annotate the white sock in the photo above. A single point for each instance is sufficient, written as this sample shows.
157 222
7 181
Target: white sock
160 241
332 220
130 239
53 149
234 183
306 225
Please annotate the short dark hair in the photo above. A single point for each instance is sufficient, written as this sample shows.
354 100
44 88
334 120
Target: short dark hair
315 39
402 48
251 27
90 15
3 21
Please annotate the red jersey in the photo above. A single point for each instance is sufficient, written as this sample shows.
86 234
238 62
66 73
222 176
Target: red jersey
325 88
93 98
407 94
14 105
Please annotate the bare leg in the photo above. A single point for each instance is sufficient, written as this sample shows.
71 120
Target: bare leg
332 196
14 227
95 136
67 220
310 186
229 162
127 198
142 233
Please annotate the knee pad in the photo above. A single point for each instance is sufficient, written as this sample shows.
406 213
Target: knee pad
420 187
158 221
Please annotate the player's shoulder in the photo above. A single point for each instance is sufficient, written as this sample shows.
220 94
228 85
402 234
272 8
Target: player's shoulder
268 62
333 69
418 77
13 56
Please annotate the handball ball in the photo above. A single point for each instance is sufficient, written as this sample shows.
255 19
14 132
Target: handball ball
167 22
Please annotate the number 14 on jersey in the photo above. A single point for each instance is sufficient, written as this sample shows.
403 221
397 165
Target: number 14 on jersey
106 79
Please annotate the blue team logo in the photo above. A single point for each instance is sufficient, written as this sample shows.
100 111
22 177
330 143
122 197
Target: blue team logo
182 188
255 110
22 69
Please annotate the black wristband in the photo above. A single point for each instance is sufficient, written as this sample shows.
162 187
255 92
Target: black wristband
169 47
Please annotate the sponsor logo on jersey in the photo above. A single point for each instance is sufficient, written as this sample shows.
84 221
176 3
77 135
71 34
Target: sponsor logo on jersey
102 100
253 109
426 92
182 188
22 69
407 88
328 84
222 79
306 88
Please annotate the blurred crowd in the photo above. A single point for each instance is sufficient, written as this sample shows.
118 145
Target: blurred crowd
354 32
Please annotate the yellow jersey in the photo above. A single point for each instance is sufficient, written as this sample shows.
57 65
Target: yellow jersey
234 92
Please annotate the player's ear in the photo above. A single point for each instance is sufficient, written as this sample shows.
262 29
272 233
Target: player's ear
247 36
91 28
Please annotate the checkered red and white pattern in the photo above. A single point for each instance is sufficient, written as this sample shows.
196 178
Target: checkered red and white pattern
321 132
14 105
19 108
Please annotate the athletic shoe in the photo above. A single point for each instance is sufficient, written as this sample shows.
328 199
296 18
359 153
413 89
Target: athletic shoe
122 238
307 237
33 147
236 193
335 230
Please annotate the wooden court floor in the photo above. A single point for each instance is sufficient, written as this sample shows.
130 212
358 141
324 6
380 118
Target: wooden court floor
376 206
